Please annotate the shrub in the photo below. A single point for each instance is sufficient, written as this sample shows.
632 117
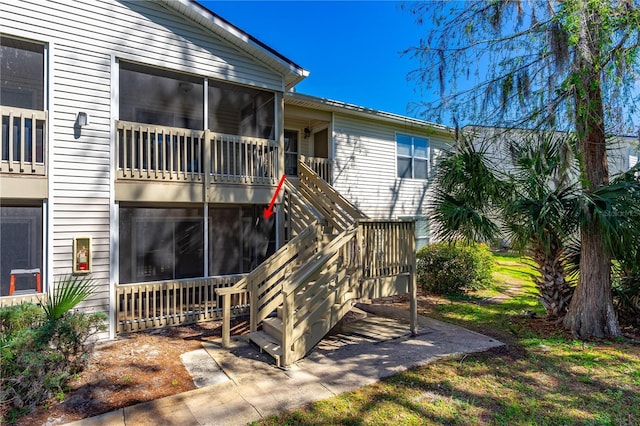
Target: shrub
446 268
626 292
41 347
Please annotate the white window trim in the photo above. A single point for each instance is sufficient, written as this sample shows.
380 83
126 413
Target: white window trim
413 157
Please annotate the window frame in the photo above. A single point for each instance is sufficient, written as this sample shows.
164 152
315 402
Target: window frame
31 91
413 157
288 153
37 241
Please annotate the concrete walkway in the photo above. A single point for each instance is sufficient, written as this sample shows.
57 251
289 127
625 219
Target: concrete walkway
360 353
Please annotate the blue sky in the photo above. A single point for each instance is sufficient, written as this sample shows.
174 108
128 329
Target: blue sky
351 49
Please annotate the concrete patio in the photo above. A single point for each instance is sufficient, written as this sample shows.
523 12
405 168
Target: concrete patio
247 386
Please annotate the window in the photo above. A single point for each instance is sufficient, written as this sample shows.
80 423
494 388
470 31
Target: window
155 96
421 230
239 239
22 86
239 110
20 248
161 244
291 153
158 244
413 154
22 74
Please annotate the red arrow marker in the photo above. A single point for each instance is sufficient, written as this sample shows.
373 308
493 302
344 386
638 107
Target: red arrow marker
268 212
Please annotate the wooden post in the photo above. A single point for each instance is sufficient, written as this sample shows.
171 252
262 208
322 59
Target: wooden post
279 134
253 306
226 320
287 329
206 152
413 289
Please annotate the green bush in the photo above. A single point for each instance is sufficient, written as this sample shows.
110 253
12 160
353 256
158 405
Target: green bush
447 268
40 351
626 292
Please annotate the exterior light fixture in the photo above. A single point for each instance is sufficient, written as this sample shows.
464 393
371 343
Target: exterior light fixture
83 119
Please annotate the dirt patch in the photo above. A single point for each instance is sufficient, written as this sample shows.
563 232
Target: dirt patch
134 368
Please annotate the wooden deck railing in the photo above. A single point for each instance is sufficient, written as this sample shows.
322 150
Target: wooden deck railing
322 166
151 152
336 209
242 159
23 137
386 248
153 305
36 298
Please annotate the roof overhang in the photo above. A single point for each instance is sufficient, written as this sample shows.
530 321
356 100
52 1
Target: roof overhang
292 72
308 101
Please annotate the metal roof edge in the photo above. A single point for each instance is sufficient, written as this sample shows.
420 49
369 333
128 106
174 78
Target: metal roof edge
339 106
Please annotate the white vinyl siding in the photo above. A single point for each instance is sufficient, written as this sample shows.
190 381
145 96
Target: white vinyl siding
86 36
365 168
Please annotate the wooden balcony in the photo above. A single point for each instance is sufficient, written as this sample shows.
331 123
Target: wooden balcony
23 139
204 165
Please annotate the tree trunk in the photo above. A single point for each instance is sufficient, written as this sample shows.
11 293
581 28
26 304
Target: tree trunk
555 292
591 312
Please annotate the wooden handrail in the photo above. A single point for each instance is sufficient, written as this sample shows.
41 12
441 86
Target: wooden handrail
312 290
323 167
300 277
298 212
336 209
265 281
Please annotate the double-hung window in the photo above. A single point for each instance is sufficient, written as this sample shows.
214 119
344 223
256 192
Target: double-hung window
413 156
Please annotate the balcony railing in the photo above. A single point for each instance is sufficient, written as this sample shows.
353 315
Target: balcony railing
244 160
150 152
23 138
322 166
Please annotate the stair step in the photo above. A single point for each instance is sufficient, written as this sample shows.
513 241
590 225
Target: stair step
268 344
273 327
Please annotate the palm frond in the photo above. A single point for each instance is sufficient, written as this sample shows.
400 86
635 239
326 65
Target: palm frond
70 290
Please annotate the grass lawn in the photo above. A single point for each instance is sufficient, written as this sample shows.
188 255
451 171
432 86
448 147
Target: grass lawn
541 377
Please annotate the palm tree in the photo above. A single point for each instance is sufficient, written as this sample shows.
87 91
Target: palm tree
542 189
530 194
522 195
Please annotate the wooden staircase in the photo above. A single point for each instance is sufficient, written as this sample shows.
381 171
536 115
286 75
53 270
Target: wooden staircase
298 294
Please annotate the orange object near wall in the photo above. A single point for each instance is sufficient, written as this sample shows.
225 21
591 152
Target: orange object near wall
14 272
